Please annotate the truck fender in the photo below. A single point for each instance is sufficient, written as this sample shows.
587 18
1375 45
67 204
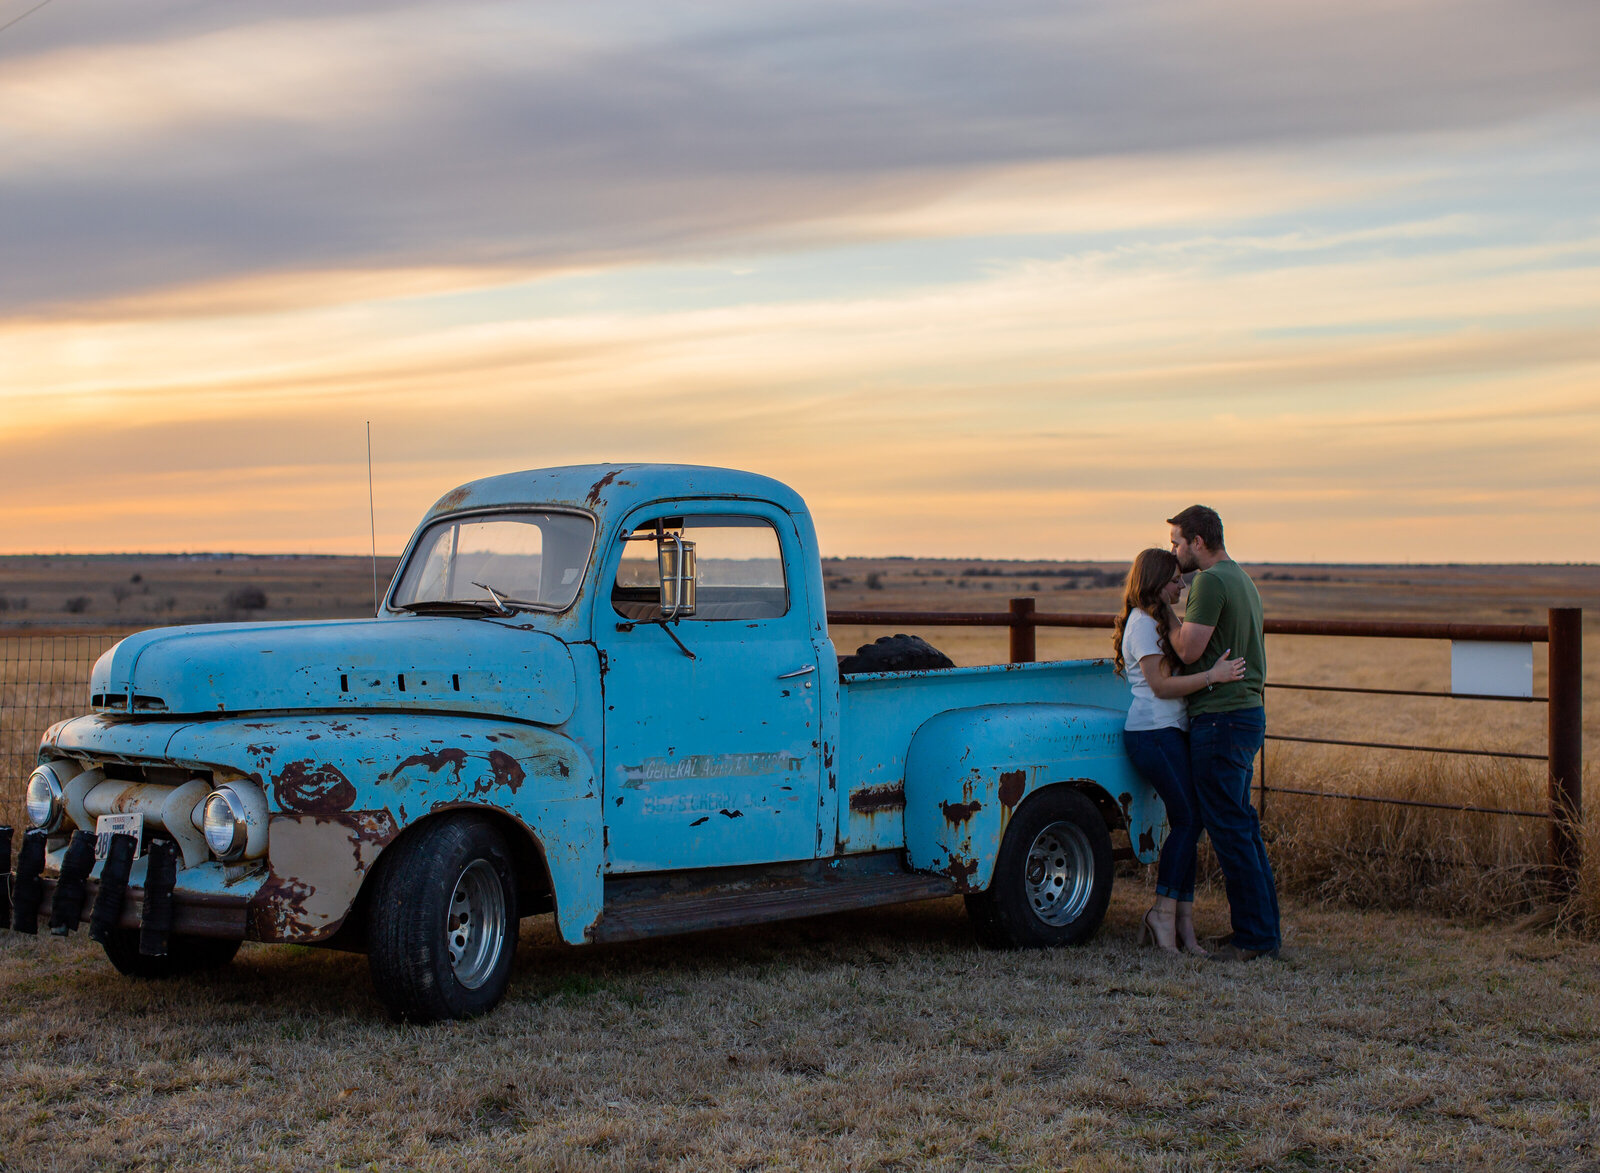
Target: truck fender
968 770
342 789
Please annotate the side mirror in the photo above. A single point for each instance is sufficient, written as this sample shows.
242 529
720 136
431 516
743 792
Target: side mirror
675 560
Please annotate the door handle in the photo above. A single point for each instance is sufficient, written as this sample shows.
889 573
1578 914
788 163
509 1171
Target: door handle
806 671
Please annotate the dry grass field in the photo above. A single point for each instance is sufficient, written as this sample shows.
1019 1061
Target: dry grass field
1431 1010
869 1041
150 590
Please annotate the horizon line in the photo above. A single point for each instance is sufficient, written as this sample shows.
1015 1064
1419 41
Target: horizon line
366 556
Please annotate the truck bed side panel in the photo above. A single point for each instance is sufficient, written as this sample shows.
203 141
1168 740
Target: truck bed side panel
969 770
879 713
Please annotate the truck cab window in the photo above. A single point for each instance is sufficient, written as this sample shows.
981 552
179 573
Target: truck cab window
739 569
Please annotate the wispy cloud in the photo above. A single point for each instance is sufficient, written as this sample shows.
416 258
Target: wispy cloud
341 136
1008 279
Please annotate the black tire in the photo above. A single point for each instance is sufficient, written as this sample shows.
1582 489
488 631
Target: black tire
429 879
185 955
895 653
1064 899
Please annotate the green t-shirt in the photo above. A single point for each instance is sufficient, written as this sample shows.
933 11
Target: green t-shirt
1225 598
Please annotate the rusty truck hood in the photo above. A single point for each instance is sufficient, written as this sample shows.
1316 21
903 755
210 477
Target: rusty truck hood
433 663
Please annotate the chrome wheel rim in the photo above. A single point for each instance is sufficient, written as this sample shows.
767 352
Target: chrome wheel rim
475 924
1059 874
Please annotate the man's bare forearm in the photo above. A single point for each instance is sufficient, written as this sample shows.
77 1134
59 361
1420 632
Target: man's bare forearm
1190 641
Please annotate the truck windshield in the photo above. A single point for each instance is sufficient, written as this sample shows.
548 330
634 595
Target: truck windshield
497 562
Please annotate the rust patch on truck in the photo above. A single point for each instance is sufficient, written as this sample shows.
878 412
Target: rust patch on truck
870 799
277 911
312 882
600 486
454 499
960 871
433 762
507 772
313 790
1012 784
960 812
1147 842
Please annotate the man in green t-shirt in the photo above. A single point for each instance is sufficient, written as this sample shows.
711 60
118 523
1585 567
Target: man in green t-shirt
1227 726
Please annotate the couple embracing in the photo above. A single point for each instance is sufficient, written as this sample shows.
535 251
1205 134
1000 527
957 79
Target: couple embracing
1194 729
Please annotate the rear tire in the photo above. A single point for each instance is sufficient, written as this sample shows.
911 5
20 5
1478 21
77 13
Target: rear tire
1052 880
185 955
443 922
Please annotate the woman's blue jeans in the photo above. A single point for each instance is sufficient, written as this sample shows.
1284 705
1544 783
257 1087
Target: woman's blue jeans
1162 758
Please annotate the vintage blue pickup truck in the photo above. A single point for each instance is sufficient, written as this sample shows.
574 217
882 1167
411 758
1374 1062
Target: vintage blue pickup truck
605 692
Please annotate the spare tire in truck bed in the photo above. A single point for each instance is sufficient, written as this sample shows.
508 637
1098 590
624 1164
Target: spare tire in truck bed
895 653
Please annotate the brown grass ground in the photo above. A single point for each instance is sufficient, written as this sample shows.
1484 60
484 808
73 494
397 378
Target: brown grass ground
881 1040
146 590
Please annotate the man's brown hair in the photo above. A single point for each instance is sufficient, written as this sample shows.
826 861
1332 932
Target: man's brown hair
1200 521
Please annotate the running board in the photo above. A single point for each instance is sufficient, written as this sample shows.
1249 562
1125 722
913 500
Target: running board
662 903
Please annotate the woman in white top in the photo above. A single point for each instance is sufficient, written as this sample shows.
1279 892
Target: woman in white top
1156 734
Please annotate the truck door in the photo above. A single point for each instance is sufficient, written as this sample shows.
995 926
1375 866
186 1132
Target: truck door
712 760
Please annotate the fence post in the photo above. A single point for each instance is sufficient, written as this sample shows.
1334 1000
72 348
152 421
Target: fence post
1566 743
1023 646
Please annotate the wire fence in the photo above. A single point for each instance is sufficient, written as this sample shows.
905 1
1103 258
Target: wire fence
44 678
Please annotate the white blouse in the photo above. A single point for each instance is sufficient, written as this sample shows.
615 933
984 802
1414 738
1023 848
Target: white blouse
1140 639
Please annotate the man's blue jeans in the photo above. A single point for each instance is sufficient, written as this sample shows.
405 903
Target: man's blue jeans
1222 751
1162 758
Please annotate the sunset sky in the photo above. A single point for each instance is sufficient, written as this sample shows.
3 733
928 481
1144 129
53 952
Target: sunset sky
999 279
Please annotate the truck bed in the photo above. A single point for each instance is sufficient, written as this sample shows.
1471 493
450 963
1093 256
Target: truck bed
879 712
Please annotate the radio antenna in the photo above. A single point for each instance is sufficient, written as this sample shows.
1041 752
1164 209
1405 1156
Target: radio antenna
372 519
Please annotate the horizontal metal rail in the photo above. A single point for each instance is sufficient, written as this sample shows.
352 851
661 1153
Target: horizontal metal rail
1506 633
67 631
932 618
1438 806
1453 696
1471 753
1515 633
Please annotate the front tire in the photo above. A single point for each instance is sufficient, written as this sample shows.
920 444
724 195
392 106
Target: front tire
443 924
184 955
1052 880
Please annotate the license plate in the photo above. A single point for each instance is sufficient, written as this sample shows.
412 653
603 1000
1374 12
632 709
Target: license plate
108 825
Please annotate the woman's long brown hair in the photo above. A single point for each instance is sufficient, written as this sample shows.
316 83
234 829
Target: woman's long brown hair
1149 575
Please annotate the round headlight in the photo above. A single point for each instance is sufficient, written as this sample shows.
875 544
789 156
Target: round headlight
226 831
44 799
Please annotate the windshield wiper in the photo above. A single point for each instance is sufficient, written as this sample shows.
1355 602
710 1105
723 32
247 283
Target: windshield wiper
450 607
506 604
498 603
495 595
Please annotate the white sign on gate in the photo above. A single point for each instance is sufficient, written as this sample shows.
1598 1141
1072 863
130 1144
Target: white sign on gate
1491 669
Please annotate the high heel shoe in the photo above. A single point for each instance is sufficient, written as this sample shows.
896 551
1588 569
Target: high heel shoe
1183 929
1149 934
1187 943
